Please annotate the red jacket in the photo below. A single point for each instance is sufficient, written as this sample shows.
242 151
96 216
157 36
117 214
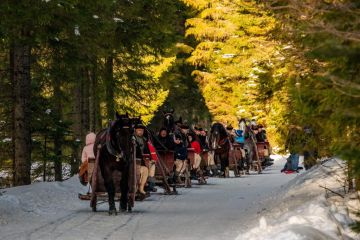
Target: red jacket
153 154
196 146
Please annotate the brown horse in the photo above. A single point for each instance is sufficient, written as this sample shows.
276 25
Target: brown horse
116 153
220 143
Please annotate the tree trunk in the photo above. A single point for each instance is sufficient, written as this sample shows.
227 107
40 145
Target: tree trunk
21 83
85 95
92 94
109 85
76 127
58 138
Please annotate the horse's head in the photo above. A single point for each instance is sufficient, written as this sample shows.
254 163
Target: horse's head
121 130
242 124
169 119
217 133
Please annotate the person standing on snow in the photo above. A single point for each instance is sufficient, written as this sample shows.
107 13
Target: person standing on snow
294 143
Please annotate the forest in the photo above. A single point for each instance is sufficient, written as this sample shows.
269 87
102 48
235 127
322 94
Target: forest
67 66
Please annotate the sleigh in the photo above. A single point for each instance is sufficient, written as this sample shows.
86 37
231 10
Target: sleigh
236 156
166 165
98 192
262 151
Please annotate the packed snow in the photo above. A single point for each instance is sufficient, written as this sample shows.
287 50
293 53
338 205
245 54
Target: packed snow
271 205
312 206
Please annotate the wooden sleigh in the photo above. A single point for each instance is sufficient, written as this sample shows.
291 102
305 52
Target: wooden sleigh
166 167
262 151
98 193
236 155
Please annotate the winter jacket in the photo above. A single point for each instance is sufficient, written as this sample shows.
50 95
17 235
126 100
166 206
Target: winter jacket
88 150
196 146
180 152
203 142
141 148
167 142
153 154
261 136
295 141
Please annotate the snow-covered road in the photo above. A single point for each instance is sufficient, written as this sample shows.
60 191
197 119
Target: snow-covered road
222 209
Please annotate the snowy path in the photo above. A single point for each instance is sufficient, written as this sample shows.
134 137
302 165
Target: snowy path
220 210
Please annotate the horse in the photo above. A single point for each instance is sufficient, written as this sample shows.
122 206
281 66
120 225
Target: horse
116 150
169 121
220 144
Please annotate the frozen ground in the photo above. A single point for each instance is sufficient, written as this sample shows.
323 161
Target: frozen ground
223 209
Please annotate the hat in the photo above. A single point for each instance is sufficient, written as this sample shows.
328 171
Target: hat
184 126
198 128
139 126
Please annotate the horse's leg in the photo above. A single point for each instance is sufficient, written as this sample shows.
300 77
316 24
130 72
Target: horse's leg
109 185
226 163
251 156
223 164
124 187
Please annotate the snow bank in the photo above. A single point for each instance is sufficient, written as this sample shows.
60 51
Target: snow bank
44 200
305 209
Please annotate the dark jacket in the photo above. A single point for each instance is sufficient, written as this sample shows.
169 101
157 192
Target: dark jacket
180 152
162 142
295 141
203 142
261 136
141 148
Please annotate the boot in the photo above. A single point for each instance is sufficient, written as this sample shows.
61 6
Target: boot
151 185
178 178
193 174
214 171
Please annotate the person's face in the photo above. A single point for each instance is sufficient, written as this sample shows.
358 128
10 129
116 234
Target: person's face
177 141
139 132
185 131
163 133
190 138
203 133
260 129
256 131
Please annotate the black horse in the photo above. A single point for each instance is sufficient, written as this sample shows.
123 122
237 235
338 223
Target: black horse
169 121
220 144
116 153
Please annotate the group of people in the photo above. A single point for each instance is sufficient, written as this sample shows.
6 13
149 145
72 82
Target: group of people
182 138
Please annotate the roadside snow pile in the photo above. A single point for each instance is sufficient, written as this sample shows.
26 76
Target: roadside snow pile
40 200
311 206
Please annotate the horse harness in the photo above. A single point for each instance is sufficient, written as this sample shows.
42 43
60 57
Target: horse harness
109 144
